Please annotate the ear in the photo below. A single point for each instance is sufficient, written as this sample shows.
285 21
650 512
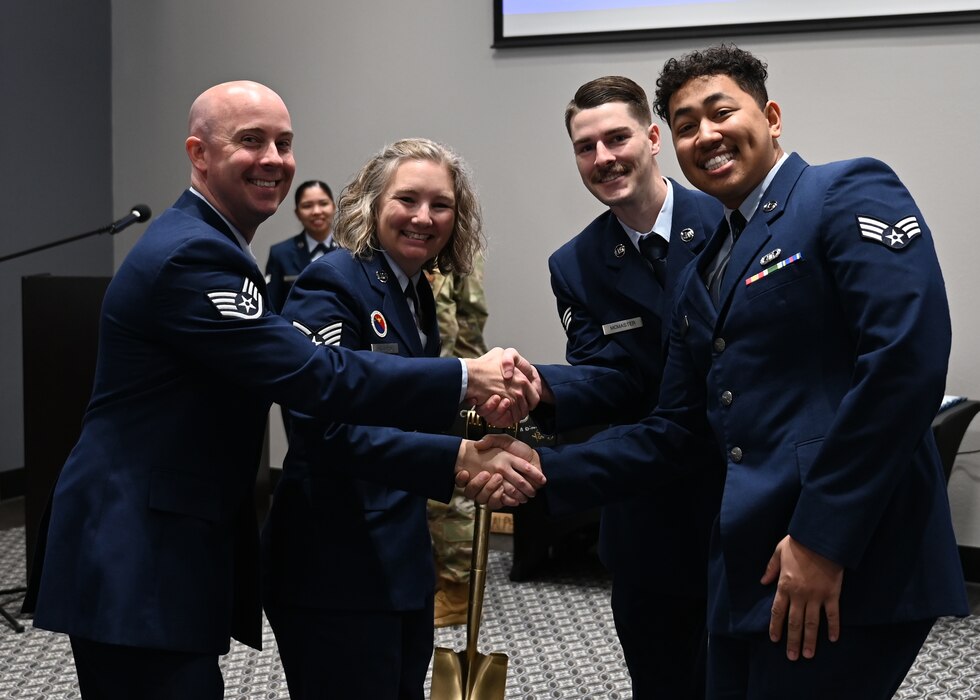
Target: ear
197 152
654 134
774 115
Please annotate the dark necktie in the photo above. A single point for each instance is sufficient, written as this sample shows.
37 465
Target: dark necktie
735 228
421 318
319 250
654 249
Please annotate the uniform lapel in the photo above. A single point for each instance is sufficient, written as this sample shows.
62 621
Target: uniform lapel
697 292
634 276
687 233
394 306
757 234
301 253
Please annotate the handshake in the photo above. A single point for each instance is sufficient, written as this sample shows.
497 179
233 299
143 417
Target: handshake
499 470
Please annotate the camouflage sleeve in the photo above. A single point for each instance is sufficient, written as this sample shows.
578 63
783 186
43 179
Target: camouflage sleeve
471 312
461 307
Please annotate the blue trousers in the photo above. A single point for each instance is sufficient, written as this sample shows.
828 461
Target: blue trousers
663 638
865 663
353 654
114 672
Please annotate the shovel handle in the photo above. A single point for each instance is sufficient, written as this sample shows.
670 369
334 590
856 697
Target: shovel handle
481 550
478 579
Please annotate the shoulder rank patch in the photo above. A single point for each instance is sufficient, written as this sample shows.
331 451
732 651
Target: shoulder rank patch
328 335
566 318
244 304
893 236
379 324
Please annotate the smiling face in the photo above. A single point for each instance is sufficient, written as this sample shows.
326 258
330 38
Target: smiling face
615 154
725 143
416 213
315 211
241 149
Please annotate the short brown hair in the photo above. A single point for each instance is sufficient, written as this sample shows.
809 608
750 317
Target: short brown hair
610 88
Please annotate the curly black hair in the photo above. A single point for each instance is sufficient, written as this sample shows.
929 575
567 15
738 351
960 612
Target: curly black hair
724 59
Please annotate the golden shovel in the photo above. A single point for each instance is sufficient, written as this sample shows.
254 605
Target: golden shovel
470 675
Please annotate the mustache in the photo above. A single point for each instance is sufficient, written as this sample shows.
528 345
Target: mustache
613 170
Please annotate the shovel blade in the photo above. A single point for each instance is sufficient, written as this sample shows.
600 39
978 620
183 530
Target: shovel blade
453 679
487 679
447 675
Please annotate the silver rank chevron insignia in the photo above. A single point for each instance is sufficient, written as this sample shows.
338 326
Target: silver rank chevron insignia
895 236
244 304
328 335
566 318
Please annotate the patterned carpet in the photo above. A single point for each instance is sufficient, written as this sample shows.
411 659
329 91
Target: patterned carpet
557 632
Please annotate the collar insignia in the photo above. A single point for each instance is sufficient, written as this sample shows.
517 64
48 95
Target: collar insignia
687 235
382 276
619 251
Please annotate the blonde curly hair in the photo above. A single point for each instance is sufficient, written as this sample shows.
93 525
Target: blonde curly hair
356 224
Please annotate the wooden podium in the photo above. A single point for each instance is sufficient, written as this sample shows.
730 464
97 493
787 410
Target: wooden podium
61 338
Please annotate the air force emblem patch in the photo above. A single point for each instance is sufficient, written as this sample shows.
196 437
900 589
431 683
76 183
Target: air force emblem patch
244 304
328 335
893 236
379 324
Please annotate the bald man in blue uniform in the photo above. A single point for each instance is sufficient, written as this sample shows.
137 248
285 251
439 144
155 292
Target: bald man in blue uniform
150 561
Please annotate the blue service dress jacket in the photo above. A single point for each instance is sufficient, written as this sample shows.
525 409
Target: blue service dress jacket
615 315
332 541
152 540
286 260
818 377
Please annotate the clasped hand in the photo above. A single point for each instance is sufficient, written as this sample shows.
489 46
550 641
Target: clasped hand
498 471
503 386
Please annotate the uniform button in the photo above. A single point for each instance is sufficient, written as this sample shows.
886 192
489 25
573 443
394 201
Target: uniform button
719 344
726 398
736 454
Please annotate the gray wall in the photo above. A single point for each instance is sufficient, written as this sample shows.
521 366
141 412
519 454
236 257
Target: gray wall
358 75
56 167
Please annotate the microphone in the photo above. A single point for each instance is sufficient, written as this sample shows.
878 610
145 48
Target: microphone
137 213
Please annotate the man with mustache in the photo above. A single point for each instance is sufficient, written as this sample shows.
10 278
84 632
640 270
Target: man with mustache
614 302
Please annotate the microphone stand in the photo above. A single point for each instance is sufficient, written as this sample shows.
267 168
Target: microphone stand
139 213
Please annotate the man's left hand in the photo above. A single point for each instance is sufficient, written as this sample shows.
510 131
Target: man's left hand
808 584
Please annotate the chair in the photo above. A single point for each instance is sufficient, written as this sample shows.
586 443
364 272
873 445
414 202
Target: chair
948 427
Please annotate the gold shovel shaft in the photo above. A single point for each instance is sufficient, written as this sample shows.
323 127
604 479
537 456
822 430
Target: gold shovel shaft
470 675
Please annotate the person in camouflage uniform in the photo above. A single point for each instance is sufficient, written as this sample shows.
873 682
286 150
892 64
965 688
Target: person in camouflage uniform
461 307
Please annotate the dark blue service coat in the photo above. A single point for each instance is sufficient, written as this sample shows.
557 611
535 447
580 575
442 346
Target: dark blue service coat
615 314
819 377
152 539
332 541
